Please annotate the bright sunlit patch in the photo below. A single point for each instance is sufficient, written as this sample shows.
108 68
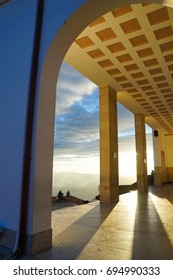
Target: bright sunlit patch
164 209
116 232
127 168
150 156
77 164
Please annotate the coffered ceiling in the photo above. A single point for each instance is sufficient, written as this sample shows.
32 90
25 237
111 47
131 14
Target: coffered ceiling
131 49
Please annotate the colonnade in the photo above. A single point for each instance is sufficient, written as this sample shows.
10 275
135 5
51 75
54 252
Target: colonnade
32 94
109 185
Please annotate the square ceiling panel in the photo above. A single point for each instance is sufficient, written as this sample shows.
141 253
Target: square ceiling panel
145 52
124 58
155 71
84 42
170 67
114 71
122 11
163 32
105 63
137 75
121 79
126 85
116 47
166 90
106 34
138 41
158 16
132 90
159 79
150 93
130 26
97 21
167 46
96 53
142 82
146 88
154 97
151 62
163 85
137 95
131 67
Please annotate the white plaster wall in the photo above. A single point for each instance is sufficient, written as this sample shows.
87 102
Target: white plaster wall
169 150
158 146
16 36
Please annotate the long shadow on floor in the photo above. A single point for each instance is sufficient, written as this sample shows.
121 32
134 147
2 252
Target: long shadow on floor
71 241
152 228
139 227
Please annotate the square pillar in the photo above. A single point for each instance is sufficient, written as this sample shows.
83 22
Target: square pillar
157 160
161 155
141 156
109 189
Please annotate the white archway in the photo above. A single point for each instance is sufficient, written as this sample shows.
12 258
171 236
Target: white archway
44 130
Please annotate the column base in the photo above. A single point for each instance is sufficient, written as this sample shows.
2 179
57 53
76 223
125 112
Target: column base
159 176
142 188
35 243
38 242
109 194
170 174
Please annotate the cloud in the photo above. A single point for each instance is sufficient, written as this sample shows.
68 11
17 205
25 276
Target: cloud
77 115
71 88
77 121
125 121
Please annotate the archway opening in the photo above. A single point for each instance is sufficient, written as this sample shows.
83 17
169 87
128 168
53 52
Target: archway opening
48 80
76 135
69 32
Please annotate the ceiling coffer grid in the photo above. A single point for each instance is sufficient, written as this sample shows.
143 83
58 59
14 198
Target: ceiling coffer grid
133 45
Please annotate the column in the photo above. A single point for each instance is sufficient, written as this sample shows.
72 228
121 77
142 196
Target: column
161 155
141 157
157 159
109 189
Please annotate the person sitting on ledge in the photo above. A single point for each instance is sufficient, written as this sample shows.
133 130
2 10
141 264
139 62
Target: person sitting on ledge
68 193
60 196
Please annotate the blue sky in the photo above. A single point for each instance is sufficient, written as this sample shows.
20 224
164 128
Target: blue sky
76 142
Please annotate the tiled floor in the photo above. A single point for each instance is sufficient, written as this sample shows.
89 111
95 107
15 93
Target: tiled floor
139 226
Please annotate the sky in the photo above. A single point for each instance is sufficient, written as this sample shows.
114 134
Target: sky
76 138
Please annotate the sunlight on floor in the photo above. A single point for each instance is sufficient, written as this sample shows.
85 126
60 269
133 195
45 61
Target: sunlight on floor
138 227
111 231
164 209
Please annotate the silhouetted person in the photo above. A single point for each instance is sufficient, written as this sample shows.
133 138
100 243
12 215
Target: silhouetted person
68 193
60 196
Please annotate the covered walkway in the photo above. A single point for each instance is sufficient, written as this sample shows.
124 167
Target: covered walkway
139 226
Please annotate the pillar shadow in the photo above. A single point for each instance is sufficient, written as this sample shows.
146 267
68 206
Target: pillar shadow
68 244
153 226
150 228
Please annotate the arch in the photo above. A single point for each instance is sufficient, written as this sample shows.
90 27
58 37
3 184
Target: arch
41 176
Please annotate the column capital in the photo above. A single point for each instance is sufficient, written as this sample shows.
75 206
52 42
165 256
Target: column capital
108 88
139 116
